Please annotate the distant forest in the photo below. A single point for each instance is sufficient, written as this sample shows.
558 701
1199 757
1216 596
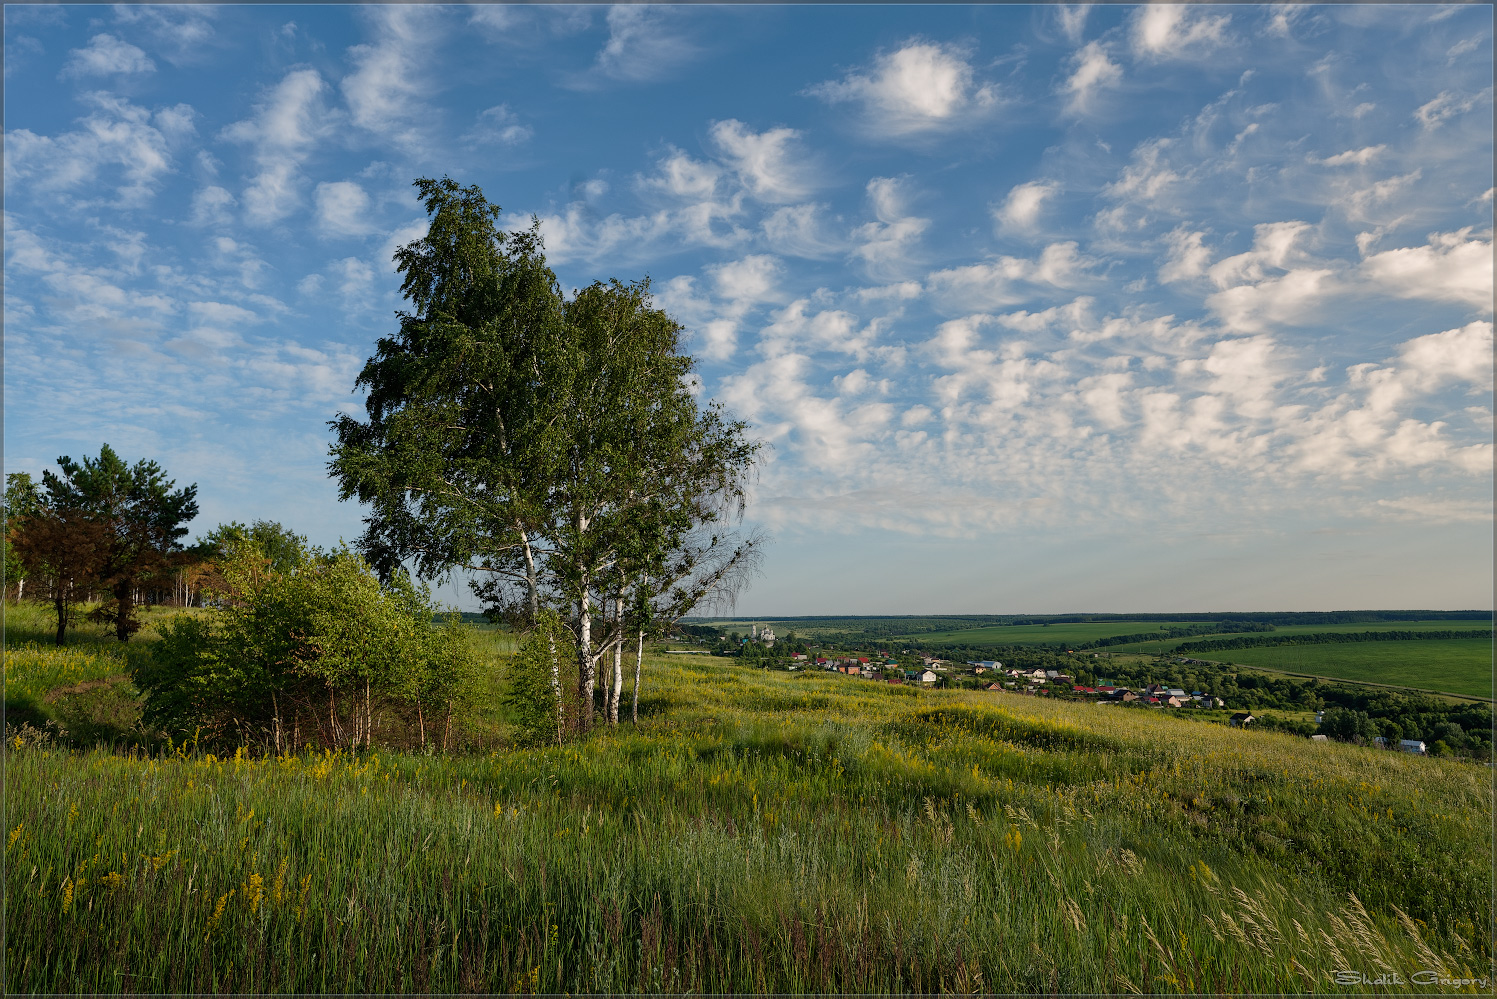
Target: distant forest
878 626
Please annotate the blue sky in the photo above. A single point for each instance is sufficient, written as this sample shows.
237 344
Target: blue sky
1041 308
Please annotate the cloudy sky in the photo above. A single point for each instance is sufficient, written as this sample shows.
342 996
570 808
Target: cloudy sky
1041 308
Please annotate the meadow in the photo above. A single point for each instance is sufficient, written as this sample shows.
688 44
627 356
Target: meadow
757 831
1453 666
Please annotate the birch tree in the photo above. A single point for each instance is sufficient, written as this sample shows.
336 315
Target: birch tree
539 441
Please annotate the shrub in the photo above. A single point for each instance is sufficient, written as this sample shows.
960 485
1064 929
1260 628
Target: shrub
319 645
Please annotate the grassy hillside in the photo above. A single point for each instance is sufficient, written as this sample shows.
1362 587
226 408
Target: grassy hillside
763 832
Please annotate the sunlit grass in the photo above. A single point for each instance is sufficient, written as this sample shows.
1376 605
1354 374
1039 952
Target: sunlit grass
758 832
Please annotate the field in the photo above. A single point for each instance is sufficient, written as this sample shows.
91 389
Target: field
1169 644
758 831
1043 634
1455 666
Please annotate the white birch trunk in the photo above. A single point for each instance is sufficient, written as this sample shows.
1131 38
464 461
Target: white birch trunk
586 662
639 658
618 662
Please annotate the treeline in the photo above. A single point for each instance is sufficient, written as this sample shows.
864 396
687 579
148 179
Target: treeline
1329 638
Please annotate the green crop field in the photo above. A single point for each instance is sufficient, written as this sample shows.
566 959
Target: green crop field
1052 634
1456 666
1169 644
756 832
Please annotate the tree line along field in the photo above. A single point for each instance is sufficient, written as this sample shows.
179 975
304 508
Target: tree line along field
757 831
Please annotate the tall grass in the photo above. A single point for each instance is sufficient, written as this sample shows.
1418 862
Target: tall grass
757 832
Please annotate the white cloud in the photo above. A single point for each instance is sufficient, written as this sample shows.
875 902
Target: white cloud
798 231
1292 299
107 55
1452 267
498 126
1449 104
385 91
1176 31
1147 177
1358 202
221 313
1071 19
343 209
355 280
1094 72
1273 247
644 43
764 161
887 246
683 177
118 134
1368 429
1187 258
283 131
181 33
1356 157
1021 209
210 206
918 87
1009 280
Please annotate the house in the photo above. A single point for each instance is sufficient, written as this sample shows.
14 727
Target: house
1412 746
798 656
1171 702
1127 696
1318 738
993 686
1241 720
896 679
1175 692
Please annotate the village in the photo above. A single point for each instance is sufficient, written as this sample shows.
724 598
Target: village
992 675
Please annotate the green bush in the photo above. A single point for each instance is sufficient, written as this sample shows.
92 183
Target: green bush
306 655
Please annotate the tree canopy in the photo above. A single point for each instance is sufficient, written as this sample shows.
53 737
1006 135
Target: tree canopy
549 443
143 519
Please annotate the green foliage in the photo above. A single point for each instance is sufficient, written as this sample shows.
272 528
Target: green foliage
288 647
284 550
532 688
142 520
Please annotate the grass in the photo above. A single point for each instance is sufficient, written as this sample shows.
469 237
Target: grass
81 688
1169 644
1454 666
757 832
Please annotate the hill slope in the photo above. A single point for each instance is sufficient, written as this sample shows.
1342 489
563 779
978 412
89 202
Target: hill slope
757 832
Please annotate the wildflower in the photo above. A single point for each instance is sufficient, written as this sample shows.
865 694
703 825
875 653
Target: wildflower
254 892
67 896
218 911
15 834
278 893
